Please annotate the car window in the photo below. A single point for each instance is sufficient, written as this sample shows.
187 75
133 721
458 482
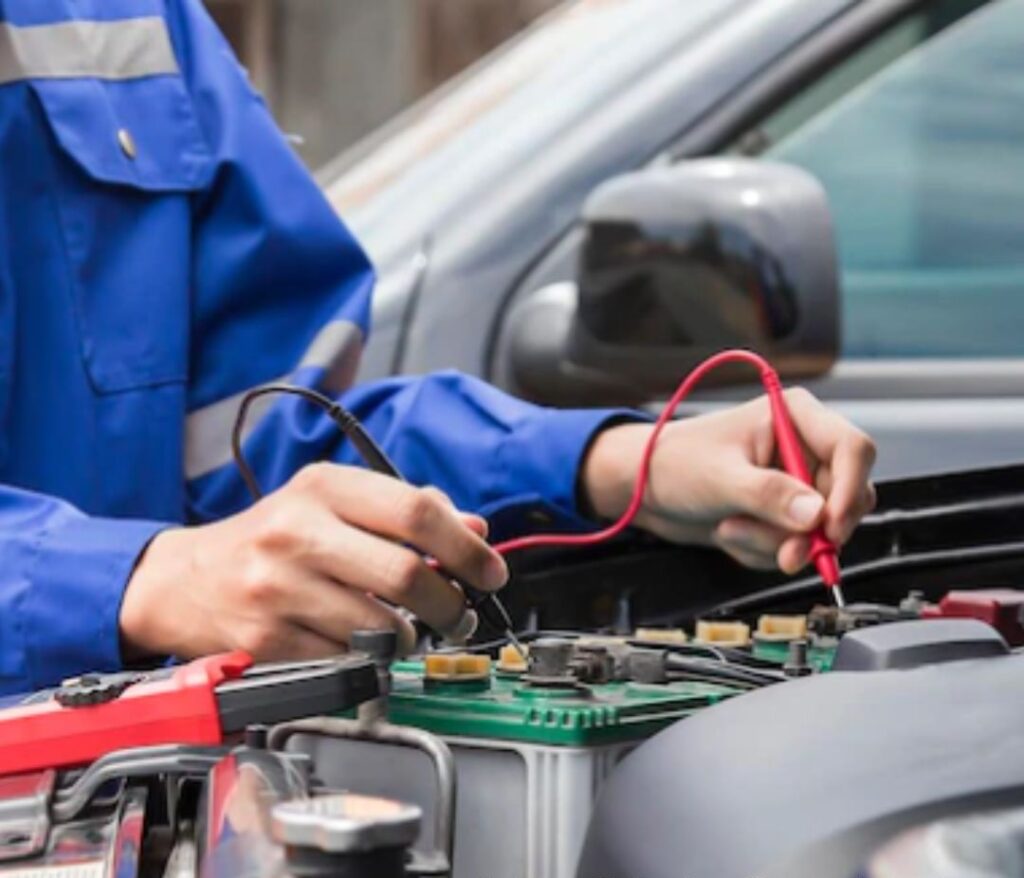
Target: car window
923 163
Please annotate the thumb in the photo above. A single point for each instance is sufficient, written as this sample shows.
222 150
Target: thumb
779 499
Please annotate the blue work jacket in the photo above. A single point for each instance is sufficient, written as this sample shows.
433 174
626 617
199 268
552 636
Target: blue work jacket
162 251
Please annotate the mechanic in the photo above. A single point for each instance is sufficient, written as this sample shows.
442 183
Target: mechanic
162 251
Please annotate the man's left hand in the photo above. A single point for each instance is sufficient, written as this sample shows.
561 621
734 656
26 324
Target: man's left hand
714 481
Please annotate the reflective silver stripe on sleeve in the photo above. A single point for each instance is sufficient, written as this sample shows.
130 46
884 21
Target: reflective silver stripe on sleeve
336 350
125 49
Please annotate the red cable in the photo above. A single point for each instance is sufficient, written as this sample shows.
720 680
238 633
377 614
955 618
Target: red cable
823 552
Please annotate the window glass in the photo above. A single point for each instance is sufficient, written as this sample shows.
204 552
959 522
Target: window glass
924 167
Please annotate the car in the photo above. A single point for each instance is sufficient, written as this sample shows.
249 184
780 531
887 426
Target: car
486 209
581 219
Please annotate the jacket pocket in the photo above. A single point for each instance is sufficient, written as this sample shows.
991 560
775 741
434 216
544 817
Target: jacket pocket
126 158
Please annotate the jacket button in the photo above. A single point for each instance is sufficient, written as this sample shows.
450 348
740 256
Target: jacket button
127 142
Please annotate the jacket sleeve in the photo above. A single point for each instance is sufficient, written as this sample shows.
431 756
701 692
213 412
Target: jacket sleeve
282 292
64 576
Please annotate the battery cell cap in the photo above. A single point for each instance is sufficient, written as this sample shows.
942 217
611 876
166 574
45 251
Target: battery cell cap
782 628
511 660
346 823
460 666
723 633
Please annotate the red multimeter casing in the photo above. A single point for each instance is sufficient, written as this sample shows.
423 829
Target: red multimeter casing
195 704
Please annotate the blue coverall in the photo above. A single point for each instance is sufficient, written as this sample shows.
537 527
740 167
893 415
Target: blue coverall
161 252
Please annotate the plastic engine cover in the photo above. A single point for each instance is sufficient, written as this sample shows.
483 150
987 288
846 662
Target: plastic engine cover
834 763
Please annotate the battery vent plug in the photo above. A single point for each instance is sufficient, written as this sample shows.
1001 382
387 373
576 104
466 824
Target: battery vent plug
728 634
456 668
781 628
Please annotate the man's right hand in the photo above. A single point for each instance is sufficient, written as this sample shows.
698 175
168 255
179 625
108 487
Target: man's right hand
296 574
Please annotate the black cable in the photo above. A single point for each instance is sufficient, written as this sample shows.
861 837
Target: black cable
371 453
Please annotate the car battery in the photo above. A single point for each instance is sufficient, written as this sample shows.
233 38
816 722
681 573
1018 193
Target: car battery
530 756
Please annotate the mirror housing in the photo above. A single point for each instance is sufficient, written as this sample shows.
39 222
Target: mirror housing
678 263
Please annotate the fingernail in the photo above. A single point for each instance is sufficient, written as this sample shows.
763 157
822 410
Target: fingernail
804 509
495 573
477 523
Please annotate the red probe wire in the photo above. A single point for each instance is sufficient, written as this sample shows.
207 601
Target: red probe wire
823 552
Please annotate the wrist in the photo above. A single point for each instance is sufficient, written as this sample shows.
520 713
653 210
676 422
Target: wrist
146 607
609 470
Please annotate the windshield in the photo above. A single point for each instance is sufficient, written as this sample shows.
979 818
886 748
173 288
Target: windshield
501 113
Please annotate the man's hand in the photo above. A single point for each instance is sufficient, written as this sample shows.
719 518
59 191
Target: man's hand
296 574
714 482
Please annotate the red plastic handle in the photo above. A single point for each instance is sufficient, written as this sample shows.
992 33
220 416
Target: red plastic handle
823 551
180 708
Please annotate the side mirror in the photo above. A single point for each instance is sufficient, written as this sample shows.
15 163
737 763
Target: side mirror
676 264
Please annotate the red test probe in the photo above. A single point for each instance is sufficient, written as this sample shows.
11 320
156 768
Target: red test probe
823 552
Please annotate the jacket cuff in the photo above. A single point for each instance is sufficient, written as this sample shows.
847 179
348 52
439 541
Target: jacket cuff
538 468
77 581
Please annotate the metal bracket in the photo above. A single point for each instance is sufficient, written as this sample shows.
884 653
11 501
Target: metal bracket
138 762
24 813
437 862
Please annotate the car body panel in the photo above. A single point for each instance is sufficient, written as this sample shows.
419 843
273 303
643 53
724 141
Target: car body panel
492 217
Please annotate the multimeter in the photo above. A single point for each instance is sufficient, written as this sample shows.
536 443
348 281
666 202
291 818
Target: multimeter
199 703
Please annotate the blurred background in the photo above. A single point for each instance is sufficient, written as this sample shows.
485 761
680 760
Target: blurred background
891 286
305 56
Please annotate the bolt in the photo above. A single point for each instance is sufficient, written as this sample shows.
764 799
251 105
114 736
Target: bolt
796 662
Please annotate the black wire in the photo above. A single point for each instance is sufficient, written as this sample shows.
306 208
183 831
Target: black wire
371 453
708 668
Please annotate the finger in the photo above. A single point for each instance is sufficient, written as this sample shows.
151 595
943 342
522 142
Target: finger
823 481
774 497
841 531
287 642
794 554
335 611
848 452
765 546
400 512
392 572
476 523
849 498
753 560
307 644
751 535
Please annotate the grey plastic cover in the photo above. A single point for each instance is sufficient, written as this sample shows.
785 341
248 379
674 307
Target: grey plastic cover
741 788
916 643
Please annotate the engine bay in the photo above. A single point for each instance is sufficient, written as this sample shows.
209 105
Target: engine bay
666 714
